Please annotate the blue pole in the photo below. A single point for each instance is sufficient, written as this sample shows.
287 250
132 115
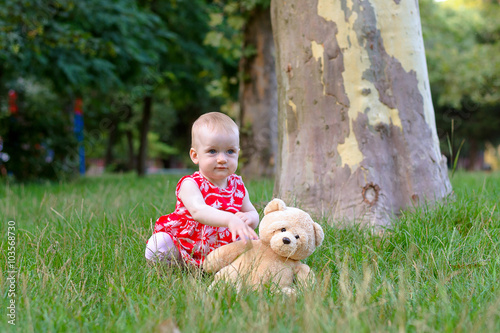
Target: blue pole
79 133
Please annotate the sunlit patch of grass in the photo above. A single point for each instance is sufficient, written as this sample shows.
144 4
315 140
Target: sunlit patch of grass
81 266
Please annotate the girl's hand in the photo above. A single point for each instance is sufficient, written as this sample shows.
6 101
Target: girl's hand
245 218
250 218
248 213
239 228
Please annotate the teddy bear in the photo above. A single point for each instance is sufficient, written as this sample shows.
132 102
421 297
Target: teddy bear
286 236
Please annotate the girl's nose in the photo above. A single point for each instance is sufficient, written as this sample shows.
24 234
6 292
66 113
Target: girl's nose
221 158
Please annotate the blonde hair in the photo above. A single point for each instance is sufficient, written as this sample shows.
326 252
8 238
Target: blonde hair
214 121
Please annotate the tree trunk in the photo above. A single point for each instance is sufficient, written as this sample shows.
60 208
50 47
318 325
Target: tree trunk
143 146
357 133
127 116
113 137
258 98
474 161
130 145
2 94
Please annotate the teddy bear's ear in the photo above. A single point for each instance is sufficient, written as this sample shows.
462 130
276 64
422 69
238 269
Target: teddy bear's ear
274 205
318 233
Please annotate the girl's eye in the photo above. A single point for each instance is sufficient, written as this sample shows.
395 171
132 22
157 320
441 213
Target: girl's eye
283 230
212 151
231 151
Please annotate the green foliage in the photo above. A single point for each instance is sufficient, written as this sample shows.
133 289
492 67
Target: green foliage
97 44
461 45
92 49
159 149
227 21
462 40
197 76
39 139
81 267
114 54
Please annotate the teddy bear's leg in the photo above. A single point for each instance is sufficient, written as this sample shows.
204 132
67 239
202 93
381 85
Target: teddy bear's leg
227 274
214 282
304 275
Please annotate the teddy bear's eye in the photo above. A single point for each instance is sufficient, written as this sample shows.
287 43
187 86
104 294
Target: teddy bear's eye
297 237
283 230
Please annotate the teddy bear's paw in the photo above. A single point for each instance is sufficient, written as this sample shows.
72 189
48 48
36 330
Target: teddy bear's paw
211 286
289 291
221 285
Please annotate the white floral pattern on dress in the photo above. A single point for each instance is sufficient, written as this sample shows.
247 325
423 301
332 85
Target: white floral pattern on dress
216 204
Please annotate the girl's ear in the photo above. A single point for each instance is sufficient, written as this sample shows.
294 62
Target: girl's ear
194 155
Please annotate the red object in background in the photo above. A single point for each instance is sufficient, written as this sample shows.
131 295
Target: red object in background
78 106
12 101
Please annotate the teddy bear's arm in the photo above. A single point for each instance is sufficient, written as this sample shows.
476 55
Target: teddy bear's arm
304 275
224 255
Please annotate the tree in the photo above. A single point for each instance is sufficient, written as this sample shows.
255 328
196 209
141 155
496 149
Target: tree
195 76
462 39
37 137
241 30
78 45
258 96
357 133
93 47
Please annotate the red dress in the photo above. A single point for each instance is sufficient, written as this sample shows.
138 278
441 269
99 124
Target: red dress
196 240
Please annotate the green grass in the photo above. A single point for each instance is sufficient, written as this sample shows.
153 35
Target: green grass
81 266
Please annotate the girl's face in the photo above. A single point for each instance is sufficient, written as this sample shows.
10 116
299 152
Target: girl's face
216 155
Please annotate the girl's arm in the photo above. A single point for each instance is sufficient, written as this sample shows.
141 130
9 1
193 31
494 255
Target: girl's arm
192 198
248 212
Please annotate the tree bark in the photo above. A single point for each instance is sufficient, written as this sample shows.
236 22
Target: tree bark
127 116
2 94
131 155
143 146
474 161
357 133
112 138
258 98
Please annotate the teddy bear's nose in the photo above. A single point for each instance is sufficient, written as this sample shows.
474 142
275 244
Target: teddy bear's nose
286 240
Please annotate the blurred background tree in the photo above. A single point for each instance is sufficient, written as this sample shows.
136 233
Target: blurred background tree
126 59
242 33
91 48
462 39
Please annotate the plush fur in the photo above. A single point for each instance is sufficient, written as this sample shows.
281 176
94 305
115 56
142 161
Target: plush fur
287 235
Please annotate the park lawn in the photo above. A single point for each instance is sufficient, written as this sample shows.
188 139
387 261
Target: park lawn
81 267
